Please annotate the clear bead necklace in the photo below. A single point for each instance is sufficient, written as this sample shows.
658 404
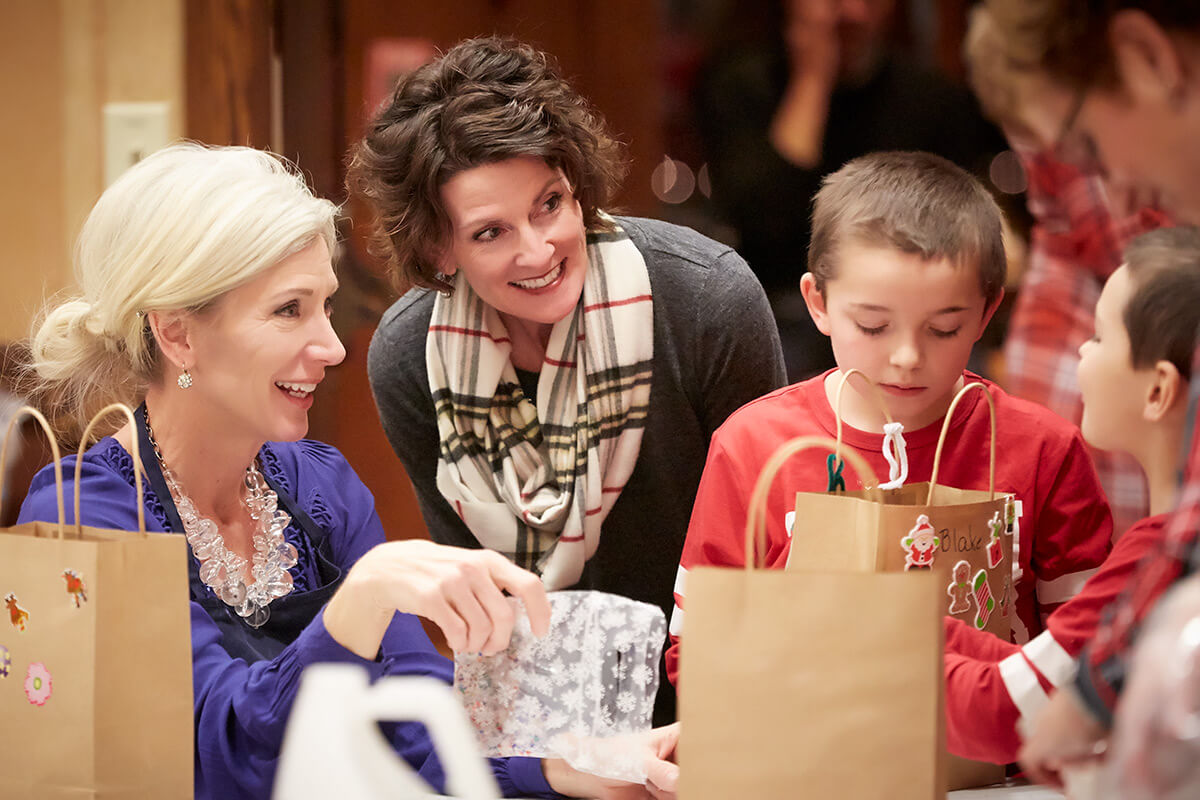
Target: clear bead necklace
223 570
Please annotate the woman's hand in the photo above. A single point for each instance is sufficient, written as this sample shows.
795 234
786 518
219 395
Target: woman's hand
460 590
662 774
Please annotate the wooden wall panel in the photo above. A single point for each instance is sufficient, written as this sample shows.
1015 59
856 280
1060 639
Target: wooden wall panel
229 75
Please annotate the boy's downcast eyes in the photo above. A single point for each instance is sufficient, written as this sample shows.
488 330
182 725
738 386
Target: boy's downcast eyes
938 332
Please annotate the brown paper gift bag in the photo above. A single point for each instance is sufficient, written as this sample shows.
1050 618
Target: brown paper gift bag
817 683
95 642
960 525
969 549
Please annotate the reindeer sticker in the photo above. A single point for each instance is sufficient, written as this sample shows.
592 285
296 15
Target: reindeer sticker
75 587
18 615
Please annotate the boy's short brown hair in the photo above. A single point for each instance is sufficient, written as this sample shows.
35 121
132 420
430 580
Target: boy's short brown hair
1163 311
913 202
485 100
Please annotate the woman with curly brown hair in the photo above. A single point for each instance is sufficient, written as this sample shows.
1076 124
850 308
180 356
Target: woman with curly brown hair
552 380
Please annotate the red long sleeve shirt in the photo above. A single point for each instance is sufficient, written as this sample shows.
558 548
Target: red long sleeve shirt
991 684
1064 532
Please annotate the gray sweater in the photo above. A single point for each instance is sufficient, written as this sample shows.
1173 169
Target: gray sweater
715 349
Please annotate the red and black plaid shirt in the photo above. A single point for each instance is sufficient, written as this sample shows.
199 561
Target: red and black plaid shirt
1075 245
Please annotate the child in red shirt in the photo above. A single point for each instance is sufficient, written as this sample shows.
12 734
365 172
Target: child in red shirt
906 268
1133 375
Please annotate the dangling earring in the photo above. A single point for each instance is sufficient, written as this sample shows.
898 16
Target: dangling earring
185 379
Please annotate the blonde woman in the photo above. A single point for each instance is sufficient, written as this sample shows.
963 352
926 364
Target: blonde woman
206 282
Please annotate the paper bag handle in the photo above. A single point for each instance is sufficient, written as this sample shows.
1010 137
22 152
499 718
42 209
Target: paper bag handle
937 454
756 516
137 463
837 403
30 411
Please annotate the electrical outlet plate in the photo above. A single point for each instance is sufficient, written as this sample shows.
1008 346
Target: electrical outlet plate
132 131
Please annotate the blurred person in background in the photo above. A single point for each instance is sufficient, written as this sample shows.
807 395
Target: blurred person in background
793 90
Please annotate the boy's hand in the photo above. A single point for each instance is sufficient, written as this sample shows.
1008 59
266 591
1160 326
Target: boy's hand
662 774
1064 735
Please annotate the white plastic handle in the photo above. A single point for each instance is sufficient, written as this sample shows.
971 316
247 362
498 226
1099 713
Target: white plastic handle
333 746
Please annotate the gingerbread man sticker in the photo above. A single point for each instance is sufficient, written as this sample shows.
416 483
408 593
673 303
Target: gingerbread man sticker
960 588
920 545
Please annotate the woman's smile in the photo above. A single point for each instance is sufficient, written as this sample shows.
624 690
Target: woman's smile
541 282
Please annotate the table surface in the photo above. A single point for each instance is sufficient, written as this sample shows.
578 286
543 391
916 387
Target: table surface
1010 792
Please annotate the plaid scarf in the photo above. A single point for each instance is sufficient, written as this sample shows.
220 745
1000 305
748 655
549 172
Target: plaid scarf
537 483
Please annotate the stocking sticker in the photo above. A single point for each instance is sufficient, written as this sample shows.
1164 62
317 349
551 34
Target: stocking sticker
960 588
18 615
5 661
75 587
984 601
920 545
38 685
995 552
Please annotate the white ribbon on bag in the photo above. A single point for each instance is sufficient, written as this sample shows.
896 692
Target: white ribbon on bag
895 452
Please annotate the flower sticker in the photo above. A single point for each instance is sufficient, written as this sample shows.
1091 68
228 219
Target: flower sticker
5 661
38 685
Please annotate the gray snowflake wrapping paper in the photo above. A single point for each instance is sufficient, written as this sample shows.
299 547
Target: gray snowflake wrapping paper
584 692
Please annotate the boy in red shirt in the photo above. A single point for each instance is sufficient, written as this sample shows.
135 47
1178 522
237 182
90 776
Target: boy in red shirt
1133 375
906 268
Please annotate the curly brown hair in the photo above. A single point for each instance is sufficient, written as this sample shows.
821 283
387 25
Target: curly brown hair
1068 39
485 100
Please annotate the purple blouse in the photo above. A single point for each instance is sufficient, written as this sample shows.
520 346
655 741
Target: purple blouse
242 708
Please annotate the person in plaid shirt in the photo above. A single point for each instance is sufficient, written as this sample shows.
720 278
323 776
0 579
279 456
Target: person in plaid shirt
1075 245
1110 85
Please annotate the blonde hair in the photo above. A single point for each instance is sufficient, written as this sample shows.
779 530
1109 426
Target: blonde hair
1069 40
992 74
174 232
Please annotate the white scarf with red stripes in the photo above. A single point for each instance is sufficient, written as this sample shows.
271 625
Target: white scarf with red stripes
536 481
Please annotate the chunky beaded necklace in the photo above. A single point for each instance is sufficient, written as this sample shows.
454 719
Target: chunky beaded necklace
221 569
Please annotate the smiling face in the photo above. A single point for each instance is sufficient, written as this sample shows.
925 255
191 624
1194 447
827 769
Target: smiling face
261 349
906 322
517 235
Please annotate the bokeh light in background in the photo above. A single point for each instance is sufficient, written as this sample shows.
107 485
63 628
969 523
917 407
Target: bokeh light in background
1007 174
672 181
